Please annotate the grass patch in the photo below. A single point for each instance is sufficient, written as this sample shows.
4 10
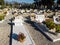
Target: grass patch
2 16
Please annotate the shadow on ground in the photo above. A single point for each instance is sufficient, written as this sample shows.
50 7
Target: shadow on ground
15 36
32 24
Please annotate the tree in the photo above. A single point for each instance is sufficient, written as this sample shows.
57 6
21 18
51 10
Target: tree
1 2
15 4
47 3
37 3
58 1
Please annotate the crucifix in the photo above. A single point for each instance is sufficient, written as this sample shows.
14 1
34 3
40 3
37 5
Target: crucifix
11 24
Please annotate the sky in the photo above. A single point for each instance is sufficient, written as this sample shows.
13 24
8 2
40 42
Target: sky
26 1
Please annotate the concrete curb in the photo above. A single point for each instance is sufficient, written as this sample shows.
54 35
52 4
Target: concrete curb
29 35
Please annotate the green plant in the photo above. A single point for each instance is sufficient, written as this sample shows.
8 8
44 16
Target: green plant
58 28
50 24
1 16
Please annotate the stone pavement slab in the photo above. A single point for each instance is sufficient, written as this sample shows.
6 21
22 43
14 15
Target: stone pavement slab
20 28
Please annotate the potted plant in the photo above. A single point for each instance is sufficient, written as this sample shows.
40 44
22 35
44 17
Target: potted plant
21 37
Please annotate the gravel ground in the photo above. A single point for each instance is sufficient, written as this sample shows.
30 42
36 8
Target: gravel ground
37 36
4 33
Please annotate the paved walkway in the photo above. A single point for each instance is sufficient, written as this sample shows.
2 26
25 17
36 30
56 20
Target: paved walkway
4 33
20 28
